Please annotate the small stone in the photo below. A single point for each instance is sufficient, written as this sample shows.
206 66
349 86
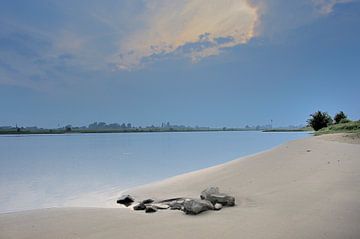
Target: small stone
161 206
171 200
218 206
150 209
140 206
147 201
176 205
126 200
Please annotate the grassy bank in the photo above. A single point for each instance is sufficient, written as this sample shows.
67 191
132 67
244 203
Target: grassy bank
351 127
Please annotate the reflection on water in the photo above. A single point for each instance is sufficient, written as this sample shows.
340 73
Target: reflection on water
39 171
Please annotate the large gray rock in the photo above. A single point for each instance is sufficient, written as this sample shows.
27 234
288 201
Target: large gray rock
195 206
126 200
213 195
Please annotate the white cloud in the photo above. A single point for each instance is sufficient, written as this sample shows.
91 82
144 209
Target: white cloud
130 33
196 29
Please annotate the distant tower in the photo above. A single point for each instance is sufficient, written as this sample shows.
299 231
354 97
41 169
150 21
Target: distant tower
271 124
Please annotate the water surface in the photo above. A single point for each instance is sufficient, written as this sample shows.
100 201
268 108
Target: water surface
38 171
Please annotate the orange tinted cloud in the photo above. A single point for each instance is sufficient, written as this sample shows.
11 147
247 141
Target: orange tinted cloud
194 28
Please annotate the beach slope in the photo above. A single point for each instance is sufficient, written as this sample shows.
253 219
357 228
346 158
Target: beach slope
308 188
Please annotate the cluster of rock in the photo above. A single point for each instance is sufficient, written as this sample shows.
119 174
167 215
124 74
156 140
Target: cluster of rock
210 199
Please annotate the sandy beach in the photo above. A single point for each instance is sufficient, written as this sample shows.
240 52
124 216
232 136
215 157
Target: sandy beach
307 188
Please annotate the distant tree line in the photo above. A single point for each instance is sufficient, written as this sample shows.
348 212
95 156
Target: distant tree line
103 125
128 127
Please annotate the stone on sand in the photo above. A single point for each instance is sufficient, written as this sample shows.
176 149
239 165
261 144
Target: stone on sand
195 206
126 200
213 195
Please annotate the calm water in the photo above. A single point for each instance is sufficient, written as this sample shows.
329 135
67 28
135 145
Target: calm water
39 171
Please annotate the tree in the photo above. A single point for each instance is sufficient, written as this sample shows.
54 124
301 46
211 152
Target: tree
319 120
340 117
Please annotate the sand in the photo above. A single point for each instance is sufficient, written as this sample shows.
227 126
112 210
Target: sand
308 188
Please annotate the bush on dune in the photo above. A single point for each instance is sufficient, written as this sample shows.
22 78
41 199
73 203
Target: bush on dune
323 123
319 120
340 118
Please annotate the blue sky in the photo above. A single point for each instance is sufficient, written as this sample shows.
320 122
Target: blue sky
196 62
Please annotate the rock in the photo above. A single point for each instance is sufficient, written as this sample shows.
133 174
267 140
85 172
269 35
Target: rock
171 200
211 199
126 200
147 201
223 199
218 206
140 206
160 206
211 190
213 195
177 205
150 209
195 206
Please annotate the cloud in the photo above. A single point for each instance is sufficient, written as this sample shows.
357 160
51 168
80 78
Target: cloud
88 39
193 28
196 29
326 6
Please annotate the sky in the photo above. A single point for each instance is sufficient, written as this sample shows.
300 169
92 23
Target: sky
193 62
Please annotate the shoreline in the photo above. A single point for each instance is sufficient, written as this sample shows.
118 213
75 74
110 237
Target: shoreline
111 199
238 144
307 188
199 171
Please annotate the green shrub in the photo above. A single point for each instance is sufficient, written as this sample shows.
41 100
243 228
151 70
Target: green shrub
319 120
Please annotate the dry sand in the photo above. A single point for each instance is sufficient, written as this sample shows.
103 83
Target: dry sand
307 188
